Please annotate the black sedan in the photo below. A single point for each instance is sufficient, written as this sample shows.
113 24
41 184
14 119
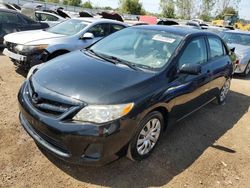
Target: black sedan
118 96
13 21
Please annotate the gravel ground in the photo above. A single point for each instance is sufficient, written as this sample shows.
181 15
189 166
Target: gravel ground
211 148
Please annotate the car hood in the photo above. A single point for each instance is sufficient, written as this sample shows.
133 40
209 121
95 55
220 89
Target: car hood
92 80
240 49
26 37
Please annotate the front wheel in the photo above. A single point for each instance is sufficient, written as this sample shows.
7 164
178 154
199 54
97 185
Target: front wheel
224 91
247 69
146 136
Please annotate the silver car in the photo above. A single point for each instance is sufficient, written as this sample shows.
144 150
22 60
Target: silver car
48 17
240 40
27 49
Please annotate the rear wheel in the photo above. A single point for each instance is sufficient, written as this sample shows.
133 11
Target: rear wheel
146 137
224 91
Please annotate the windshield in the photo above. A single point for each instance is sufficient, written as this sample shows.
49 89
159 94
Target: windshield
149 48
69 27
237 38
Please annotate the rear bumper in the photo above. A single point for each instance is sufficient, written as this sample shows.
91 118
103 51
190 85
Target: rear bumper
75 142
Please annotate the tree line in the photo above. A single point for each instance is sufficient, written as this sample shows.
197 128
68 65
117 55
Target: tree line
203 9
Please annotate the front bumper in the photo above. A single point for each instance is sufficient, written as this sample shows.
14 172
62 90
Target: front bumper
14 56
75 142
26 61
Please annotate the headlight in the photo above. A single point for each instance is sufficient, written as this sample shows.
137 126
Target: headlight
29 48
103 113
32 69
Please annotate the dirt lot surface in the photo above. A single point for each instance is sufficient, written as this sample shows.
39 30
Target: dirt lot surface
211 148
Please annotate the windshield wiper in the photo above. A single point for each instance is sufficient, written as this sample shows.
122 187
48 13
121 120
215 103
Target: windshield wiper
116 60
124 62
144 66
104 57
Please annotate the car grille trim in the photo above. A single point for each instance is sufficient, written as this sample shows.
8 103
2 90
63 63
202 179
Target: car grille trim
47 106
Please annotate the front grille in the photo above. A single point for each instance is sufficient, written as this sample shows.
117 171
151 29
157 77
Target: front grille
47 106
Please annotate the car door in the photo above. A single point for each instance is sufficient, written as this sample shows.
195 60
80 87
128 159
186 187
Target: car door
99 31
220 63
191 91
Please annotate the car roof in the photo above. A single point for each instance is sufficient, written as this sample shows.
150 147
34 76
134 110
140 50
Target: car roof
178 30
8 10
238 32
98 20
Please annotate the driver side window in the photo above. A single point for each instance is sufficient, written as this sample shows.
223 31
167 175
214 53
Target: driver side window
99 30
194 53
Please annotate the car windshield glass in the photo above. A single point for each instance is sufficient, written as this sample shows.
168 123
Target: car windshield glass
140 47
237 38
69 27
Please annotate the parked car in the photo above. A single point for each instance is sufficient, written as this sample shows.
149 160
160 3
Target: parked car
218 30
13 21
240 40
167 22
119 95
10 6
197 24
30 48
43 14
50 18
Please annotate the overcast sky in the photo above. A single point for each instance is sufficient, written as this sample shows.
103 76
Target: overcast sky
153 6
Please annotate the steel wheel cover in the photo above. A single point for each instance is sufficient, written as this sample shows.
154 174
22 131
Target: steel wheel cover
225 89
148 136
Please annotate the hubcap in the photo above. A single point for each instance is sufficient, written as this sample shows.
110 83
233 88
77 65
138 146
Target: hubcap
224 90
248 68
148 136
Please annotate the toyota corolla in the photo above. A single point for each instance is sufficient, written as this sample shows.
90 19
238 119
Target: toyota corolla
118 96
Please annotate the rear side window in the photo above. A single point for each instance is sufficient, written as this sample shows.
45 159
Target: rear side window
10 18
194 53
216 47
115 27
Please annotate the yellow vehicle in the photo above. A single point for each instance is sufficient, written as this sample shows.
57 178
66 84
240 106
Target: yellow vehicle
232 21
228 20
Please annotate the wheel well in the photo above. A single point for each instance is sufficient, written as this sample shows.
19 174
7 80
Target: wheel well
164 112
57 53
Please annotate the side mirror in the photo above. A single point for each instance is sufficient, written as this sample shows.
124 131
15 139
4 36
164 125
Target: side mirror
232 49
87 36
193 69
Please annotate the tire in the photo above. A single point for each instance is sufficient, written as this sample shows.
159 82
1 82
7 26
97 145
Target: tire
247 70
224 91
151 129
